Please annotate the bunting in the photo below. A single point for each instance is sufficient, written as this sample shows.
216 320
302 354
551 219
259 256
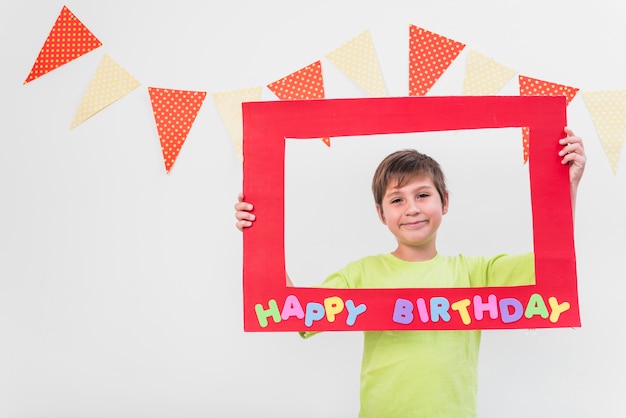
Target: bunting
534 87
109 83
357 59
430 55
229 106
68 39
608 113
484 76
174 114
305 84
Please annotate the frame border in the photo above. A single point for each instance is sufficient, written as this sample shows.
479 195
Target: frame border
269 305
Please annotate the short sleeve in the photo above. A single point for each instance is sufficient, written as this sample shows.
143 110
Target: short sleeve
511 270
337 280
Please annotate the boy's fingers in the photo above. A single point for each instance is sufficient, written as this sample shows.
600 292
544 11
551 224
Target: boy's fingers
572 147
243 224
243 206
244 216
575 155
570 138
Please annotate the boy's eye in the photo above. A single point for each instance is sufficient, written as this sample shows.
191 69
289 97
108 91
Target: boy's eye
422 195
397 200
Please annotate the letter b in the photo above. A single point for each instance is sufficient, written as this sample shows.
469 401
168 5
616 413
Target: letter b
403 312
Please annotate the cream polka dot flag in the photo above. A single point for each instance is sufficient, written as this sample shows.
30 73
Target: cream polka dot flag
484 76
229 106
533 87
608 113
174 114
357 59
68 40
110 83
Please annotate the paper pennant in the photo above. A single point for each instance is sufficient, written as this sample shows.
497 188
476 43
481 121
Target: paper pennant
430 55
110 83
534 87
357 59
608 113
305 84
229 105
174 114
484 76
68 40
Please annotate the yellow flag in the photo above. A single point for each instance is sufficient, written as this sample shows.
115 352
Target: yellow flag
608 113
357 59
229 105
484 76
110 83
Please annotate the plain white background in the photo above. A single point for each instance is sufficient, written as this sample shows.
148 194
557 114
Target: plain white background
120 286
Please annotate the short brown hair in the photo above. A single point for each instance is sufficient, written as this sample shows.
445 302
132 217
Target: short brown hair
401 167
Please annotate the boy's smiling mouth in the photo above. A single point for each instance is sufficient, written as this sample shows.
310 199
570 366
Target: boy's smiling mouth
413 224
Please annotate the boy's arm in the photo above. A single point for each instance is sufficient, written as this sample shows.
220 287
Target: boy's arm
573 153
245 219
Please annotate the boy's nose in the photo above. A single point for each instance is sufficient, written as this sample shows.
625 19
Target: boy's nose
413 208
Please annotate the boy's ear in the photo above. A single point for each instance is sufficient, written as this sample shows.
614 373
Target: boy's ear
381 215
446 203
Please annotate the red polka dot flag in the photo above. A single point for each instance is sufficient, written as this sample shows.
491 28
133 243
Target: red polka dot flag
174 114
534 87
68 40
430 55
305 84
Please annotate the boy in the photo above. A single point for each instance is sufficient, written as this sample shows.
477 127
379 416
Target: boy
424 373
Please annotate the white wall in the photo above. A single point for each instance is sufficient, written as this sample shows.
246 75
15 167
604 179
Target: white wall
120 286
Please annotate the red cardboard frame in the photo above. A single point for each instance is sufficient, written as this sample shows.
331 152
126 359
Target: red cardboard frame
270 305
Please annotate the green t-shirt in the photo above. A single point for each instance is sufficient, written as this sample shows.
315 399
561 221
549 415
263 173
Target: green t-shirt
425 373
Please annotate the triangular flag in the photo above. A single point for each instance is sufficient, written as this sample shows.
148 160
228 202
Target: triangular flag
174 114
229 105
608 113
68 40
305 84
430 55
109 83
357 59
535 87
484 76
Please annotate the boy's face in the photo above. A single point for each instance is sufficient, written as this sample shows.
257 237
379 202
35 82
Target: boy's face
413 214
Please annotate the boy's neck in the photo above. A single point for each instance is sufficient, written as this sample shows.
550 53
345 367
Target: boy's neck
414 254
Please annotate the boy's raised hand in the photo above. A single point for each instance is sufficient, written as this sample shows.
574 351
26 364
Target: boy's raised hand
573 153
242 213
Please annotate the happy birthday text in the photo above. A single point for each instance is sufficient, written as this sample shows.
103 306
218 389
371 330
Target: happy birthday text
406 312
